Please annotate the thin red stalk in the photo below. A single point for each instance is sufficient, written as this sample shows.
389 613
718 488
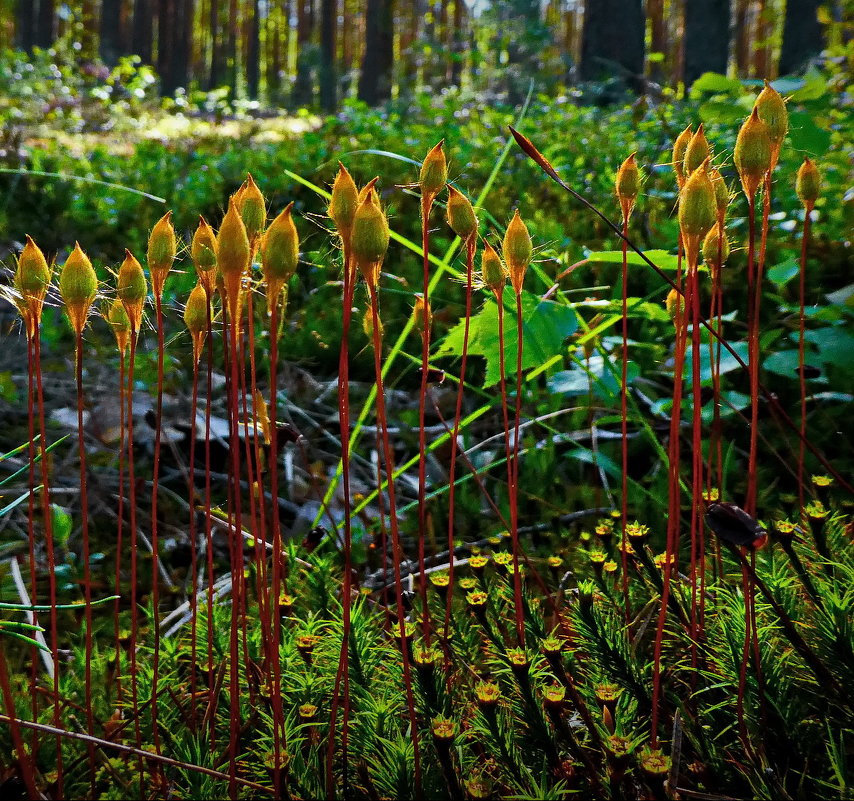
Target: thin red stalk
672 543
745 658
212 697
24 759
508 452
87 568
51 554
426 203
801 351
514 490
194 568
343 673
31 533
278 714
120 523
753 288
471 246
155 541
134 537
624 420
395 537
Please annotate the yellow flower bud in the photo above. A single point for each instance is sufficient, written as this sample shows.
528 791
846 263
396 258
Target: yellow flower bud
78 285
752 154
279 252
808 183
233 255
714 245
679 148
627 185
344 202
696 152
517 251
771 108
162 247
196 314
434 172
252 208
492 270
203 252
370 236
461 216
132 289
120 323
32 279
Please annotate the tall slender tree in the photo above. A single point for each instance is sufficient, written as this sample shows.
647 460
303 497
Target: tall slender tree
110 45
303 92
25 25
45 33
707 24
802 36
253 50
375 80
142 33
328 72
612 40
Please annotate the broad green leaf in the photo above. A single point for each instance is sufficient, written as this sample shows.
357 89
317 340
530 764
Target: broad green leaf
843 297
785 363
545 326
781 274
806 136
660 258
728 361
604 383
715 82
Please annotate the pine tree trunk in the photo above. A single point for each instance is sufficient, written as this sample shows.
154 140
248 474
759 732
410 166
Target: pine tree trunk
303 94
375 80
216 68
658 37
110 45
253 51
328 73
25 25
706 38
45 34
142 34
742 37
612 40
458 43
802 35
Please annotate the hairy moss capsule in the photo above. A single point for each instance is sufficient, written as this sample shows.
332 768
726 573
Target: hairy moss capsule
434 172
196 317
460 213
808 183
32 279
696 152
162 247
492 270
279 252
752 154
517 250
78 285
370 236
680 145
252 208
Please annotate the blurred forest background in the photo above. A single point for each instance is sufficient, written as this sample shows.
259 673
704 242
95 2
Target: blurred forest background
314 53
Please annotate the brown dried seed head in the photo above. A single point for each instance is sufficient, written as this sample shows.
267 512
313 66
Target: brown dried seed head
162 247
517 250
78 285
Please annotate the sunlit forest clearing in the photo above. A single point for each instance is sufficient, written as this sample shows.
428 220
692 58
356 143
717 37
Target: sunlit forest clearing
426 400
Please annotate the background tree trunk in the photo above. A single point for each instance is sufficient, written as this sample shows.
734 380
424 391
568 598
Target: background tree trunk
706 38
742 37
657 38
25 25
328 73
110 46
375 80
802 35
253 51
303 94
612 40
143 30
45 34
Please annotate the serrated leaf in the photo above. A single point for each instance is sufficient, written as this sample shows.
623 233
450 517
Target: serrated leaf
545 327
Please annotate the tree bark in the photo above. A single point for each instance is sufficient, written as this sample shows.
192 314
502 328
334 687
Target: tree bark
45 34
742 38
110 45
706 38
658 37
375 80
802 35
143 30
303 93
253 51
25 25
328 73
612 40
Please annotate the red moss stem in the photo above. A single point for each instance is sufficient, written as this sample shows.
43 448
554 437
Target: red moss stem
801 352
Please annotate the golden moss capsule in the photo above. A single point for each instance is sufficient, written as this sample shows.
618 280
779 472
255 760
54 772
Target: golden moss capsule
368 326
78 285
418 313
132 289
697 209
252 208
460 213
32 279
434 172
517 250
696 152
808 183
771 108
627 185
196 314
679 148
492 270
120 323
233 255
722 194
715 249
162 247
675 305
752 154
370 236
279 252
344 202
203 252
